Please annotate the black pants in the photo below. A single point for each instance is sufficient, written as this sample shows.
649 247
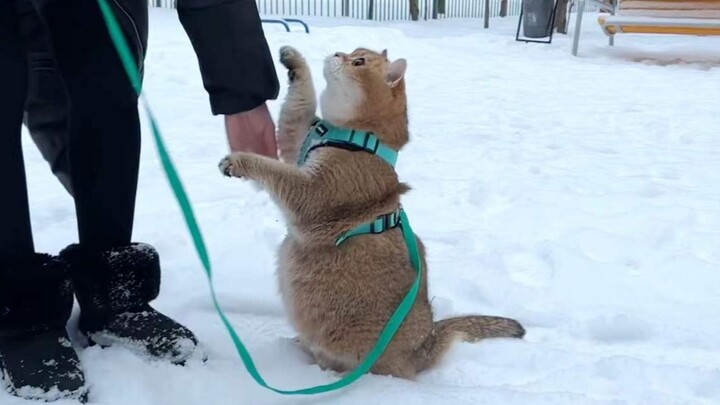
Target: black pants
60 71
56 55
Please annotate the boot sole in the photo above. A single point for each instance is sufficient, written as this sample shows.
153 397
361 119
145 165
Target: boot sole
80 395
105 340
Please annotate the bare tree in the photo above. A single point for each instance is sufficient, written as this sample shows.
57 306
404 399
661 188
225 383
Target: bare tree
561 17
414 10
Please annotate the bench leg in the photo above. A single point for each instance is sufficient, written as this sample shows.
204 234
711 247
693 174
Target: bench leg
611 41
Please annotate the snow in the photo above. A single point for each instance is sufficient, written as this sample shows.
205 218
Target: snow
577 195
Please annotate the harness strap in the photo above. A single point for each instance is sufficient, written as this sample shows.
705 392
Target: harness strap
379 225
323 133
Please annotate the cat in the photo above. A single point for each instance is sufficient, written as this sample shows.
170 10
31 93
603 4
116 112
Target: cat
340 297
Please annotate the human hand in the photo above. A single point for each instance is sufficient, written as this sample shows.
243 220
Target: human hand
252 131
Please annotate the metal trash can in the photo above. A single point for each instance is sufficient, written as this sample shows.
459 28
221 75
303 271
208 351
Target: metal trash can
537 15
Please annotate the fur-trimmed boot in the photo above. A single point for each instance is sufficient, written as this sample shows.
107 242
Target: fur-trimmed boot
37 360
114 289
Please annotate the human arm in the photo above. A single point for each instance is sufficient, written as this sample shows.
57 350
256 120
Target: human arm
237 69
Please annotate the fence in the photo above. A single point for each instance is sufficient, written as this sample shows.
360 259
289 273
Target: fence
379 10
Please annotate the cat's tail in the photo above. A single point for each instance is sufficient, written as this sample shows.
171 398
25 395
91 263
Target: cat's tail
467 329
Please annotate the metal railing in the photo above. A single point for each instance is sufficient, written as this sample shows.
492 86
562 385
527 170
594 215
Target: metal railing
379 10
382 10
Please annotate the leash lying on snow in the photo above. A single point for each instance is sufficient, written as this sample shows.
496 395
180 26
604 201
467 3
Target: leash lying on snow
398 316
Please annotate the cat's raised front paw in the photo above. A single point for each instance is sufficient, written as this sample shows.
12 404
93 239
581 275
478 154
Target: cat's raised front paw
291 57
230 166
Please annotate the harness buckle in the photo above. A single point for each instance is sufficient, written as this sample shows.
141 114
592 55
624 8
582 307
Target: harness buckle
321 130
377 145
387 220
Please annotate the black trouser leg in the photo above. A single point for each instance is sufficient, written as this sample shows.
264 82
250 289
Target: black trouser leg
36 358
103 126
15 229
47 109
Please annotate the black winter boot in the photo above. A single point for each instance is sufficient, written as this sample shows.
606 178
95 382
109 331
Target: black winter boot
37 360
114 289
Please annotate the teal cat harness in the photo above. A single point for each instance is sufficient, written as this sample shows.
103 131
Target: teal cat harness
323 133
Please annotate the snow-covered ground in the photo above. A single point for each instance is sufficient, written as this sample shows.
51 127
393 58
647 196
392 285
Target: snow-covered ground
578 195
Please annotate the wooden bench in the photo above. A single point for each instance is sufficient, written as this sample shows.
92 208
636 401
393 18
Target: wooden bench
676 17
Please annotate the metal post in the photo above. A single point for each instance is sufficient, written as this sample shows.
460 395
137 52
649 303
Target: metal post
487 14
611 41
346 8
371 9
578 27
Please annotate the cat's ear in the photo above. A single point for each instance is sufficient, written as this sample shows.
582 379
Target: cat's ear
384 54
396 71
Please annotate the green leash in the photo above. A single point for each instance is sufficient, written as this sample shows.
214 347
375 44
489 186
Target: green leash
395 321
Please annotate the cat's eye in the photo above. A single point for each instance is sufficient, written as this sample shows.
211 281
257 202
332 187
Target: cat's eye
358 62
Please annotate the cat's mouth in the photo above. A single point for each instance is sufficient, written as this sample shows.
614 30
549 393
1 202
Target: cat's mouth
333 66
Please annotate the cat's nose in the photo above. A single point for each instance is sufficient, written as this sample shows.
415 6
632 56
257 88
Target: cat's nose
340 55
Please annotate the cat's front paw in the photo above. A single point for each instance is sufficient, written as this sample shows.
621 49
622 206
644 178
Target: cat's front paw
231 165
291 57
294 62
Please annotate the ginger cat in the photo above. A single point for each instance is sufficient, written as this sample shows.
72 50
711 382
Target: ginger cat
339 298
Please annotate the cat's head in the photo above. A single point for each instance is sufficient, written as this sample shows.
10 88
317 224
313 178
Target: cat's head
366 88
